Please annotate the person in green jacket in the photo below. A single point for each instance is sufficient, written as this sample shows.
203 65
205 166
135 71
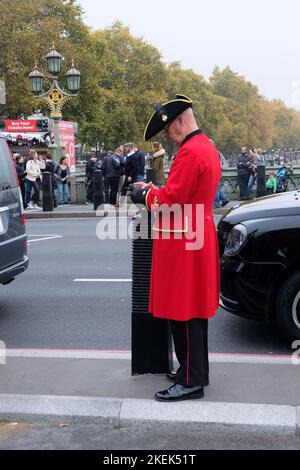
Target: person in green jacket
157 163
271 184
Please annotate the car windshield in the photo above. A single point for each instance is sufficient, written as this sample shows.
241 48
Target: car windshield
7 175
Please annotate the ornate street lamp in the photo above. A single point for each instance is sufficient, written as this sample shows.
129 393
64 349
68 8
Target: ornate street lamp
73 79
56 96
54 61
36 79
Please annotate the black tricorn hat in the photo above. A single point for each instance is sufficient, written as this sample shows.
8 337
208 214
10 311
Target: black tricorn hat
165 113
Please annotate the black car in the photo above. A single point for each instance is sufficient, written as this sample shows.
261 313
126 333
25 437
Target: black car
260 260
13 240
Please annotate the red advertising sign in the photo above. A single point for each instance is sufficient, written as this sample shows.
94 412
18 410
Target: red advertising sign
20 125
67 140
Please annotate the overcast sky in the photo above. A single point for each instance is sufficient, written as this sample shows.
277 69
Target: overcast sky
259 39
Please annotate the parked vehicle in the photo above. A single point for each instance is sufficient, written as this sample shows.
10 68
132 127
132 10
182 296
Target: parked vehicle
260 260
13 241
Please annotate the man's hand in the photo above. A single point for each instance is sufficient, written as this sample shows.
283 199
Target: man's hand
142 185
139 193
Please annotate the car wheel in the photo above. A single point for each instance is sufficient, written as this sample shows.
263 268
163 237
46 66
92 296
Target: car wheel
288 307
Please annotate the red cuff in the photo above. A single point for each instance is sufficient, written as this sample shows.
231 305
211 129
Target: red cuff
152 198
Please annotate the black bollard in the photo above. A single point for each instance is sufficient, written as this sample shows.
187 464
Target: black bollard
261 181
151 343
97 189
47 192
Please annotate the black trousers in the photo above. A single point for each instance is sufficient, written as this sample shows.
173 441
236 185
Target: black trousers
243 184
22 187
29 185
90 191
113 187
106 189
190 343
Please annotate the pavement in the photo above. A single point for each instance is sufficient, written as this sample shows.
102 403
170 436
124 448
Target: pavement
257 392
246 391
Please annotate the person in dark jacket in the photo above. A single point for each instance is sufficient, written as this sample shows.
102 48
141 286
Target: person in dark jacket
21 173
89 169
141 157
131 167
51 166
244 164
112 168
106 180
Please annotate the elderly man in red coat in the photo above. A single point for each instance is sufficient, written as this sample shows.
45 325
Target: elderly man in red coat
185 264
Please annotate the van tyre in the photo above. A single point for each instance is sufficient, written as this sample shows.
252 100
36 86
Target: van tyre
288 307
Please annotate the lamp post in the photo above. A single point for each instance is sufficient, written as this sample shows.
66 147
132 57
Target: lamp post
56 96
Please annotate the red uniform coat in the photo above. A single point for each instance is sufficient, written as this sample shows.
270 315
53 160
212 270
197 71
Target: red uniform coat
185 281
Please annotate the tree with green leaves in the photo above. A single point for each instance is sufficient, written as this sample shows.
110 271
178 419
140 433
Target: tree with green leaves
132 77
27 31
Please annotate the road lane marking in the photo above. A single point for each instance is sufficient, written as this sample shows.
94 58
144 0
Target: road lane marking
53 237
44 235
264 359
69 354
102 280
251 358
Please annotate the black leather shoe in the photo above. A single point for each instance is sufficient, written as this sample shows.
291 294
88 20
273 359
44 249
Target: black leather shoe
178 392
171 376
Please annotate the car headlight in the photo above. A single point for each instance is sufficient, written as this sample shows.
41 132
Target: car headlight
235 240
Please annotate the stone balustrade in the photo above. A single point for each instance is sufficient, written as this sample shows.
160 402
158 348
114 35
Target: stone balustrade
228 183
230 186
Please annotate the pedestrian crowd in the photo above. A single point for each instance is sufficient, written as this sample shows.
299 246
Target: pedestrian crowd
125 165
247 162
30 171
121 168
